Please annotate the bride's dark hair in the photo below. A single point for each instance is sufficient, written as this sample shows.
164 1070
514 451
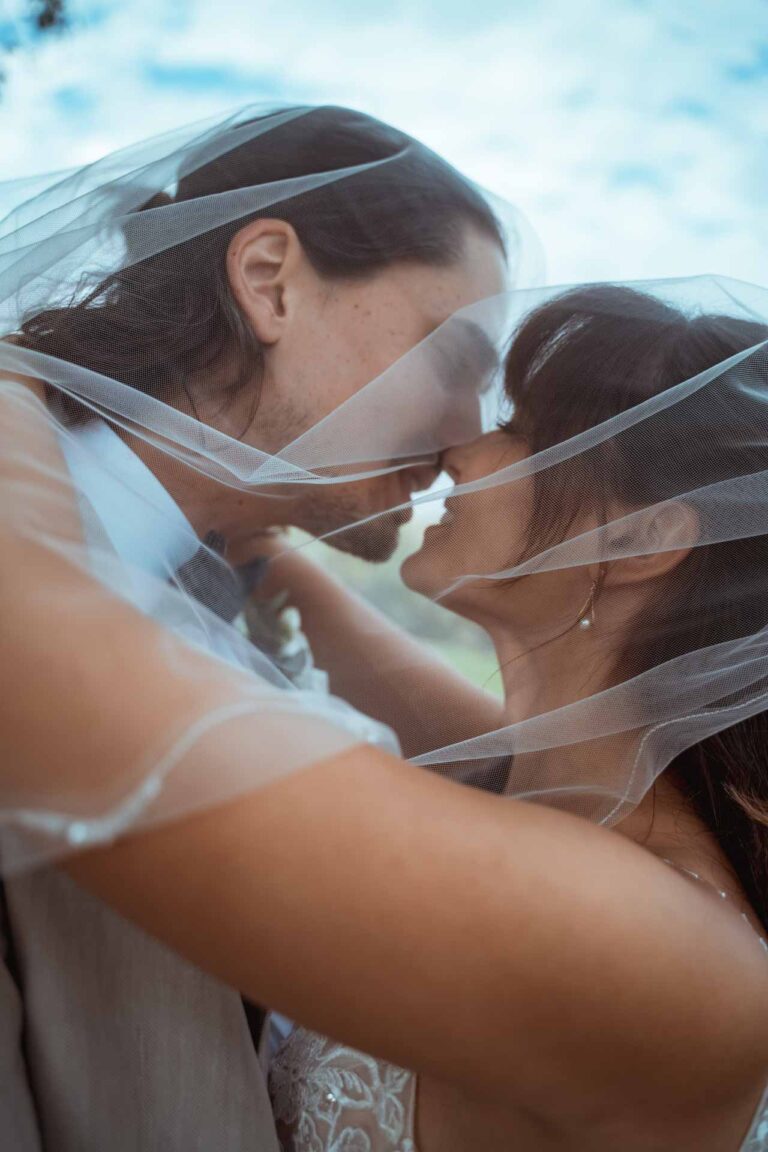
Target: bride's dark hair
579 360
159 320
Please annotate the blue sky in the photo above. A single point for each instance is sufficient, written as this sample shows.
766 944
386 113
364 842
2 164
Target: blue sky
632 132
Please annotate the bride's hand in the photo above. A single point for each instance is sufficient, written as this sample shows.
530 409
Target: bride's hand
264 545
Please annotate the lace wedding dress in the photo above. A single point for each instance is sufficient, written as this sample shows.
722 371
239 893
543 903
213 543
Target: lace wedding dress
329 1098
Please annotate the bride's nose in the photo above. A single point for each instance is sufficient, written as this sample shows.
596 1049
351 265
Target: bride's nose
454 460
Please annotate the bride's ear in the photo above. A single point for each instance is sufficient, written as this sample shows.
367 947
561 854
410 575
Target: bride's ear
663 535
263 260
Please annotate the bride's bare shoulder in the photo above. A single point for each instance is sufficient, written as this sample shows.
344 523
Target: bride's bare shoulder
652 1020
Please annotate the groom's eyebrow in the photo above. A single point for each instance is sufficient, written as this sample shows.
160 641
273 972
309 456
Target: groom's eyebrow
467 354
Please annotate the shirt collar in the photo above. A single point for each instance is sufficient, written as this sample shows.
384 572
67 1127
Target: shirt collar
143 522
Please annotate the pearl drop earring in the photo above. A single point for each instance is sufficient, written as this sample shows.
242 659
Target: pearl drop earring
586 618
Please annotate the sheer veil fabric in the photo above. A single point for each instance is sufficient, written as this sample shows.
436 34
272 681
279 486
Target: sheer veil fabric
559 534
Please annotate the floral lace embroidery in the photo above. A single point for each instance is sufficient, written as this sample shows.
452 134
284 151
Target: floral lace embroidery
329 1098
323 1092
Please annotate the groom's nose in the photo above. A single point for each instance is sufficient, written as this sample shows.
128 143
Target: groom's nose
423 476
450 461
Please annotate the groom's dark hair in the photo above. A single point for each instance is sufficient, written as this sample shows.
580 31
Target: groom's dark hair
156 322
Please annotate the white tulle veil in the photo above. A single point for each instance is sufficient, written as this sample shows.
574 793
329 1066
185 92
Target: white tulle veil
631 424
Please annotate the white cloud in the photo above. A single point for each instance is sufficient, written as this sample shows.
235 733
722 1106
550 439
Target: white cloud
632 133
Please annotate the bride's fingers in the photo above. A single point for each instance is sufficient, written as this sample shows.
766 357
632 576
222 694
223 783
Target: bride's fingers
269 543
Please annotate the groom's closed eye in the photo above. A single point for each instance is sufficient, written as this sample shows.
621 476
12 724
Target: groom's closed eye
465 359
477 360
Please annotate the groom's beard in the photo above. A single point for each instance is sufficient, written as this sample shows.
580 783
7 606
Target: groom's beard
337 520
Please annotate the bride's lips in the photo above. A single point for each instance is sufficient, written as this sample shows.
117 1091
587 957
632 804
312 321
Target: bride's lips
447 518
451 510
449 515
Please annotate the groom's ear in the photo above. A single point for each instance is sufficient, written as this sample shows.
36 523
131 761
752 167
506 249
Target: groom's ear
263 259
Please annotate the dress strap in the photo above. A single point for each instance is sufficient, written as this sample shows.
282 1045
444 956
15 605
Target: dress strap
719 892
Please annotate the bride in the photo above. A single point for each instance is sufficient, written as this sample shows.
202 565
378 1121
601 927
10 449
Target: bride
707 817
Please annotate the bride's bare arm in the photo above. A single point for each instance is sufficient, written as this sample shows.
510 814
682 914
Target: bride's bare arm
379 667
506 949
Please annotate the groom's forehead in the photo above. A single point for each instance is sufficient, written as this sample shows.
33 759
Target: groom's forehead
440 291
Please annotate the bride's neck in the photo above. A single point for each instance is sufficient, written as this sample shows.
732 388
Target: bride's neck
542 679
542 676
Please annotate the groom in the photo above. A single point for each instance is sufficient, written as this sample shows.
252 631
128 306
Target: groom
105 1035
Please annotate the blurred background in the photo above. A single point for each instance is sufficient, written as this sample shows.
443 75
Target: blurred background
631 132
